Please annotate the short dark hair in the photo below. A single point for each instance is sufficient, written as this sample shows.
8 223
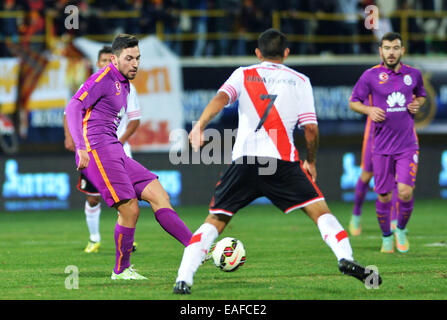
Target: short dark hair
272 44
123 41
390 36
104 50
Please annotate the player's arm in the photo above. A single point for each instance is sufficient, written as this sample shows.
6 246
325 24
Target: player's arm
415 105
74 122
130 130
375 113
312 137
215 106
68 142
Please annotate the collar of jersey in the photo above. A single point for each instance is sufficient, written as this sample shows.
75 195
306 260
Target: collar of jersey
116 73
385 69
268 63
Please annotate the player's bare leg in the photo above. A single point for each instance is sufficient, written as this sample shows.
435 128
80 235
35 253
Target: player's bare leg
197 249
158 198
337 239
92 211
361 190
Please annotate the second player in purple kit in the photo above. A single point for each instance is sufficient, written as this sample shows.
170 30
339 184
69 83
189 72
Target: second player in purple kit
396 92
93 116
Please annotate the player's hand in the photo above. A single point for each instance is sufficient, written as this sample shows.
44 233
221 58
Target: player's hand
376 114
69 144
311 169
196 137
84 159
414 107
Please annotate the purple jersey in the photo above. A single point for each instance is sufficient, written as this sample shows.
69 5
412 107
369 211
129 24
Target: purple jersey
391 92
103 100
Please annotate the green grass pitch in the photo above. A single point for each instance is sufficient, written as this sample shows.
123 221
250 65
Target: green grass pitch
286 257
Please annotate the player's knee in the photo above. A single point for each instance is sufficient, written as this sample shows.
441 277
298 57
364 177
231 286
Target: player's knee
406 194
93 201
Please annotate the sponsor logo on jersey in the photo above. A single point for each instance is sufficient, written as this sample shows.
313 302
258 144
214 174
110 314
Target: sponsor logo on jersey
396 98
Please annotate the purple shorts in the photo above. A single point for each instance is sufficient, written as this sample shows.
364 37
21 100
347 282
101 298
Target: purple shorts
116 176
389 169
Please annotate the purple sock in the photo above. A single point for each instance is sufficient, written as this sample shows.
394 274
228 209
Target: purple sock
170 221
405 210
124 238
394 207
361 189
383 211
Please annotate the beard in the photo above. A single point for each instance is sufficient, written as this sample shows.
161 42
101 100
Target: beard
393 65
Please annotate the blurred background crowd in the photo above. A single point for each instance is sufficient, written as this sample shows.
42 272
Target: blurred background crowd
229 27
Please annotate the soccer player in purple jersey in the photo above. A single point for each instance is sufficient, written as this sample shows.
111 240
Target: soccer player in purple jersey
397 94
362 185
93 115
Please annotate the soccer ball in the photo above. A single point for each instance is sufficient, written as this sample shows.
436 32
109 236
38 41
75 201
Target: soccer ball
229 254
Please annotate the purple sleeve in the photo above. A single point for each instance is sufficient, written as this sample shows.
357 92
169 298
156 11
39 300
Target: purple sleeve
91 91
73 113
361 89
419 90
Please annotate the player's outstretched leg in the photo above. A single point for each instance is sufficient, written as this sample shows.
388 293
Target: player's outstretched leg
197 249
361 189
166 216
337 239
193 256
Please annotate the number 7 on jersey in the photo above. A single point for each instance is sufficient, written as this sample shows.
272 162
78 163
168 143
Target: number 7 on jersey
272 98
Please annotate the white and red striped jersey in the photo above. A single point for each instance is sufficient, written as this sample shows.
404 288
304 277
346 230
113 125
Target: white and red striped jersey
273 99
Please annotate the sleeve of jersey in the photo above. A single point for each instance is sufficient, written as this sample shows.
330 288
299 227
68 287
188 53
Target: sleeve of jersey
307 113
90 91
361 90
232 87
73 113
133 105
419 90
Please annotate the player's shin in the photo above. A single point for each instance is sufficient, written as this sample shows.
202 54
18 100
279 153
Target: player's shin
405 210
92 218
335 236
172 224
124 239
361 188
195 252
383 210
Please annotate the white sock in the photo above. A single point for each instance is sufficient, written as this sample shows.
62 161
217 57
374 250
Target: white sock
335 236
92 217
195 252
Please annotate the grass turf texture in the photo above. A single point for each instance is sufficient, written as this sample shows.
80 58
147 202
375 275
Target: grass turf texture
286 257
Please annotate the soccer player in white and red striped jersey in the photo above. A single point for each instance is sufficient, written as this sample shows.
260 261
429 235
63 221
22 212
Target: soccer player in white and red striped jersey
273 99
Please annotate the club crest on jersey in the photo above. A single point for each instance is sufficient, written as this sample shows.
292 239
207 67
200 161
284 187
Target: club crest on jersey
118 87
383 76
408 80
